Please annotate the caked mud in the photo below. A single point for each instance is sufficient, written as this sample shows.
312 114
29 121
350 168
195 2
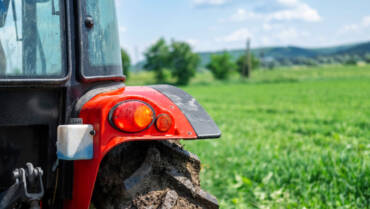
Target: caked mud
150 175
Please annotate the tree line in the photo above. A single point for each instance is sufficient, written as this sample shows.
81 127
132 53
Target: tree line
343 59
177 60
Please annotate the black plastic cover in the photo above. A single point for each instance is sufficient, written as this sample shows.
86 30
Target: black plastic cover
201 122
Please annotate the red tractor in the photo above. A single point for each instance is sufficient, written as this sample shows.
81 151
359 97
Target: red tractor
72 135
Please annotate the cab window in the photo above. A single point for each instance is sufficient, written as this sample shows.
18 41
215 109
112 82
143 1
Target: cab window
103 38
30 39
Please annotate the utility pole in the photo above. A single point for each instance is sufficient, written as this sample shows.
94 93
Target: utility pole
249 71
247 64
136 57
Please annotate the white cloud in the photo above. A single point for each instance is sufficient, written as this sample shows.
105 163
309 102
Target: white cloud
243 15
289 34
122 29
238 35
290 3
298 11
118 3
283 35
265 41
366 21
210 2
356 27
192 42
350 28
293 10
267 27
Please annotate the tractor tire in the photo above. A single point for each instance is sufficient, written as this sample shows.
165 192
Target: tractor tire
150 175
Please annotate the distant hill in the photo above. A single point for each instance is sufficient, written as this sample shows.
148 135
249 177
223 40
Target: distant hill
290 52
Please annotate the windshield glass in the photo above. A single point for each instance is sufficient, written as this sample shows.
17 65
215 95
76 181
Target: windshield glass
30 39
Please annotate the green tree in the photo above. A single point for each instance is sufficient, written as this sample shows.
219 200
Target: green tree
183 62
221 65
242 63
284 62
126 63
352 60
367 58
311 62
158 59
272 64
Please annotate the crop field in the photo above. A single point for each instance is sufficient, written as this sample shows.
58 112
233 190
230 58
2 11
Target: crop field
292 138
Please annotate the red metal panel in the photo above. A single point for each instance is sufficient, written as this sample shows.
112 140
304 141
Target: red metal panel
96 112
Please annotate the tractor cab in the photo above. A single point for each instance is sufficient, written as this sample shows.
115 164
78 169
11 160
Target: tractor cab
63 101
51 53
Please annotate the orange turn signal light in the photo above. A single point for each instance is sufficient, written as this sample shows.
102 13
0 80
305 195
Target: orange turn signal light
163 122
132 116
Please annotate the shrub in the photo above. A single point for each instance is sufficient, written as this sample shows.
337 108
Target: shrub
221 66
126 63
367 58
242 63
183 62
157 59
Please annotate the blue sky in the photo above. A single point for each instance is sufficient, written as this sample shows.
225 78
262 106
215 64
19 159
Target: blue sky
210 25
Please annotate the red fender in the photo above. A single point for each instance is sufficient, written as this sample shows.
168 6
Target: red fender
95 112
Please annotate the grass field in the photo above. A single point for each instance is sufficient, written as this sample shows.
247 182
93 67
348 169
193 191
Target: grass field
297 138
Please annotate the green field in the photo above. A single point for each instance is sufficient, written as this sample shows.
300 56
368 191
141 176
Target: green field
292 138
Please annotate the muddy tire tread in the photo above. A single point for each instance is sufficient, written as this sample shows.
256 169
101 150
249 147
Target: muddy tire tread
167 177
